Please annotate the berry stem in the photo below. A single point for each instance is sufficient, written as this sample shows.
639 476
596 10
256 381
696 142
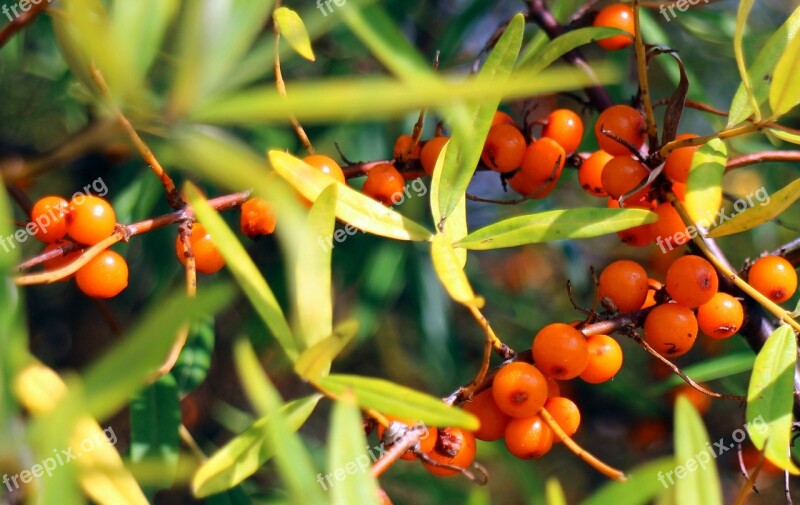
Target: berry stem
499 347
699 141
21 21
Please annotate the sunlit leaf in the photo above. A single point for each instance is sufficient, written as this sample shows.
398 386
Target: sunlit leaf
704 186
759 214
448 268
346 452
535 61
785 136
644 483
784 93
316 361
741 22
554 492
294 31
711 369
694 458
455 226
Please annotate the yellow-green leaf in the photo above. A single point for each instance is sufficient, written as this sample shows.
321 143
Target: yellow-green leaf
767 209
448 268
315 361
645 483
704 186
554 492
455 226
252 376
738 35
784 93
694 458
540 59
294 31
785 136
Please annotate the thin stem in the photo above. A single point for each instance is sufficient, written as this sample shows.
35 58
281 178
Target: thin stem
191 443
21 21
698 141
499 347
644 86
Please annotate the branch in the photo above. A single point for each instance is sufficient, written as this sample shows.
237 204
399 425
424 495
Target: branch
21 21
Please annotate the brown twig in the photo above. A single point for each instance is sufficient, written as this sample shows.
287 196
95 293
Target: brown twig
20 21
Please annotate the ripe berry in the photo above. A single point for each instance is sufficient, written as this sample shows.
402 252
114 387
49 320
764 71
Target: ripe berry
624 122
519 389
504 148
671 329
60 261
773 277
605 359
385 184
670 227
679 161
679 188
208 259
528 437
615 16
402 148
425 444
692 281
454 446
566 128
49 214
560 351
258 218
625 283
104 276
493 420
565 412
91 219
541 167
501 117
590 173
720 317
326 165
623 173
430 153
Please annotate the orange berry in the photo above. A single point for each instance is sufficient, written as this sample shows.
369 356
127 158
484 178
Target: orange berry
519 389
504 148
638 236
671 329
60 261
257 218
623 173
679 161
528 437
625 283
91 219
605 359
104 276
566 128
560 351
615 16
326 165
430 153
493 420
590 173
679 188
501 117
402 148
669 229
565 413
49 218
624 122
455 447
692 281
541 167
208 259
773 277
425 444
385 184
720 317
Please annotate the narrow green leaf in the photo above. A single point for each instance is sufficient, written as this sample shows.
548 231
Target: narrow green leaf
536 61
455 227
294 31
155 419
645 483
315 361
195 359
554 492
711 369
785 136
399 401
252 376
348 458
448 268
770 398
555 225
738 35
139 28
704 186
767 210
694 458
784 93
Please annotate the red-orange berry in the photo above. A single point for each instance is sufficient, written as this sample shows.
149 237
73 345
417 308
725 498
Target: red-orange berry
605 359
493 420
430 153
49 218
625 123
326 165
638 236
622 174
624 282
692 281
501 117
541 167
615 16
560 351
519 389
565 413
504 148
426 444
60 261
565 127
385 184
208 259
670 329
90 220
773 277
257 218
669 230
104 276
455 447
720 317
528 437
679 161
590 173
402 148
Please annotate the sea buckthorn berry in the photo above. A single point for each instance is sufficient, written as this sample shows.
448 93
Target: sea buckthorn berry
565 413
624 282
565 127
104 276
773 277
385 184
326 165
615 16
90 220
671 329
720 317
692 281
454 446
638 236
519 389
493 420
625 123
430 153
501 117
541 167
623 173
257 218
679 161
504 148
528 437
425 444
49 215
669 230
590 173
560 351
60 261
402 148
208 259
679 188
605 359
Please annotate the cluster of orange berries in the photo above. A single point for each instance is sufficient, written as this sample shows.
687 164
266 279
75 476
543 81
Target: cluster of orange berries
87 220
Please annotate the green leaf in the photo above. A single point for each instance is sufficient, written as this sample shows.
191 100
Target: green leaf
711 369
643 485
704 186
537 61
194 360
455 227
138 29
741 21
346 442
448 268
784 93
247 452
694 458
554 492
765 211
555 225
770 398
785 136
399 401
315 361
351 206
294 31
155 420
